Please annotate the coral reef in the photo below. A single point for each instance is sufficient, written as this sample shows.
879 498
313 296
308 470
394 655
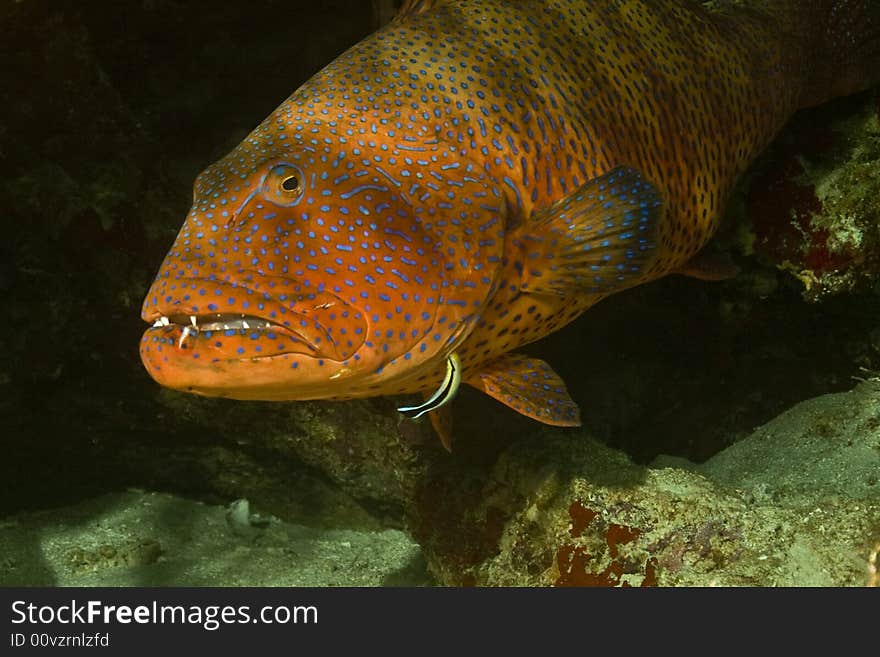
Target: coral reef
794 504
810 207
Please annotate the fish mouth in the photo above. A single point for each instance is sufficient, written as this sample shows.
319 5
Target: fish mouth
218 322
315 323
194 331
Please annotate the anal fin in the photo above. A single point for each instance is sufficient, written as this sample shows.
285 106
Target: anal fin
529 386
441 420
709 265
596 240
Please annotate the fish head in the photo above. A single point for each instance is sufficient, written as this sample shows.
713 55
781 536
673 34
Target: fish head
324 259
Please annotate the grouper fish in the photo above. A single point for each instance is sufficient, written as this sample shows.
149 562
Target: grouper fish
471 178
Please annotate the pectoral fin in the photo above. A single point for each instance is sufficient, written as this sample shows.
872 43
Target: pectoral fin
598 239
528 386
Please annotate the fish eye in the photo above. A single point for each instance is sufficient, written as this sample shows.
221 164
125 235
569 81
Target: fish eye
282 185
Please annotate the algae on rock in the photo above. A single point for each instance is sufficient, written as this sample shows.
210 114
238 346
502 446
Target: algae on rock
794 504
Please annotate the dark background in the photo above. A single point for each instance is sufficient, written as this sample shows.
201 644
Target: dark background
108 111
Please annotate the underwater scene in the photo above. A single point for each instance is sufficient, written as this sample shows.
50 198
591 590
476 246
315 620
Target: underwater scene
440 293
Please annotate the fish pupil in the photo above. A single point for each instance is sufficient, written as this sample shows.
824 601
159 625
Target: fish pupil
290 184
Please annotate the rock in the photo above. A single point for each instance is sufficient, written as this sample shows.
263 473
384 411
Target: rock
794 504
357 445
810 205
150 539
823 448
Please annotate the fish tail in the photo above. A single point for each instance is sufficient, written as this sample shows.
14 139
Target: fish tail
847 57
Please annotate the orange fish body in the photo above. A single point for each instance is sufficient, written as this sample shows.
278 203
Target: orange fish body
473 177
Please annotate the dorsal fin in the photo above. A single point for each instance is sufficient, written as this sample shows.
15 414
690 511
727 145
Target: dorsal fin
411 8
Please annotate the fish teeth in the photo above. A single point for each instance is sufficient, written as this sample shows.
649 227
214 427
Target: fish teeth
187 331
251 323
197 324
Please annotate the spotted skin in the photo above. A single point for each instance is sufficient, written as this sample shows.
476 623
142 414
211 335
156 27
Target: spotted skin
529 386
471 178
